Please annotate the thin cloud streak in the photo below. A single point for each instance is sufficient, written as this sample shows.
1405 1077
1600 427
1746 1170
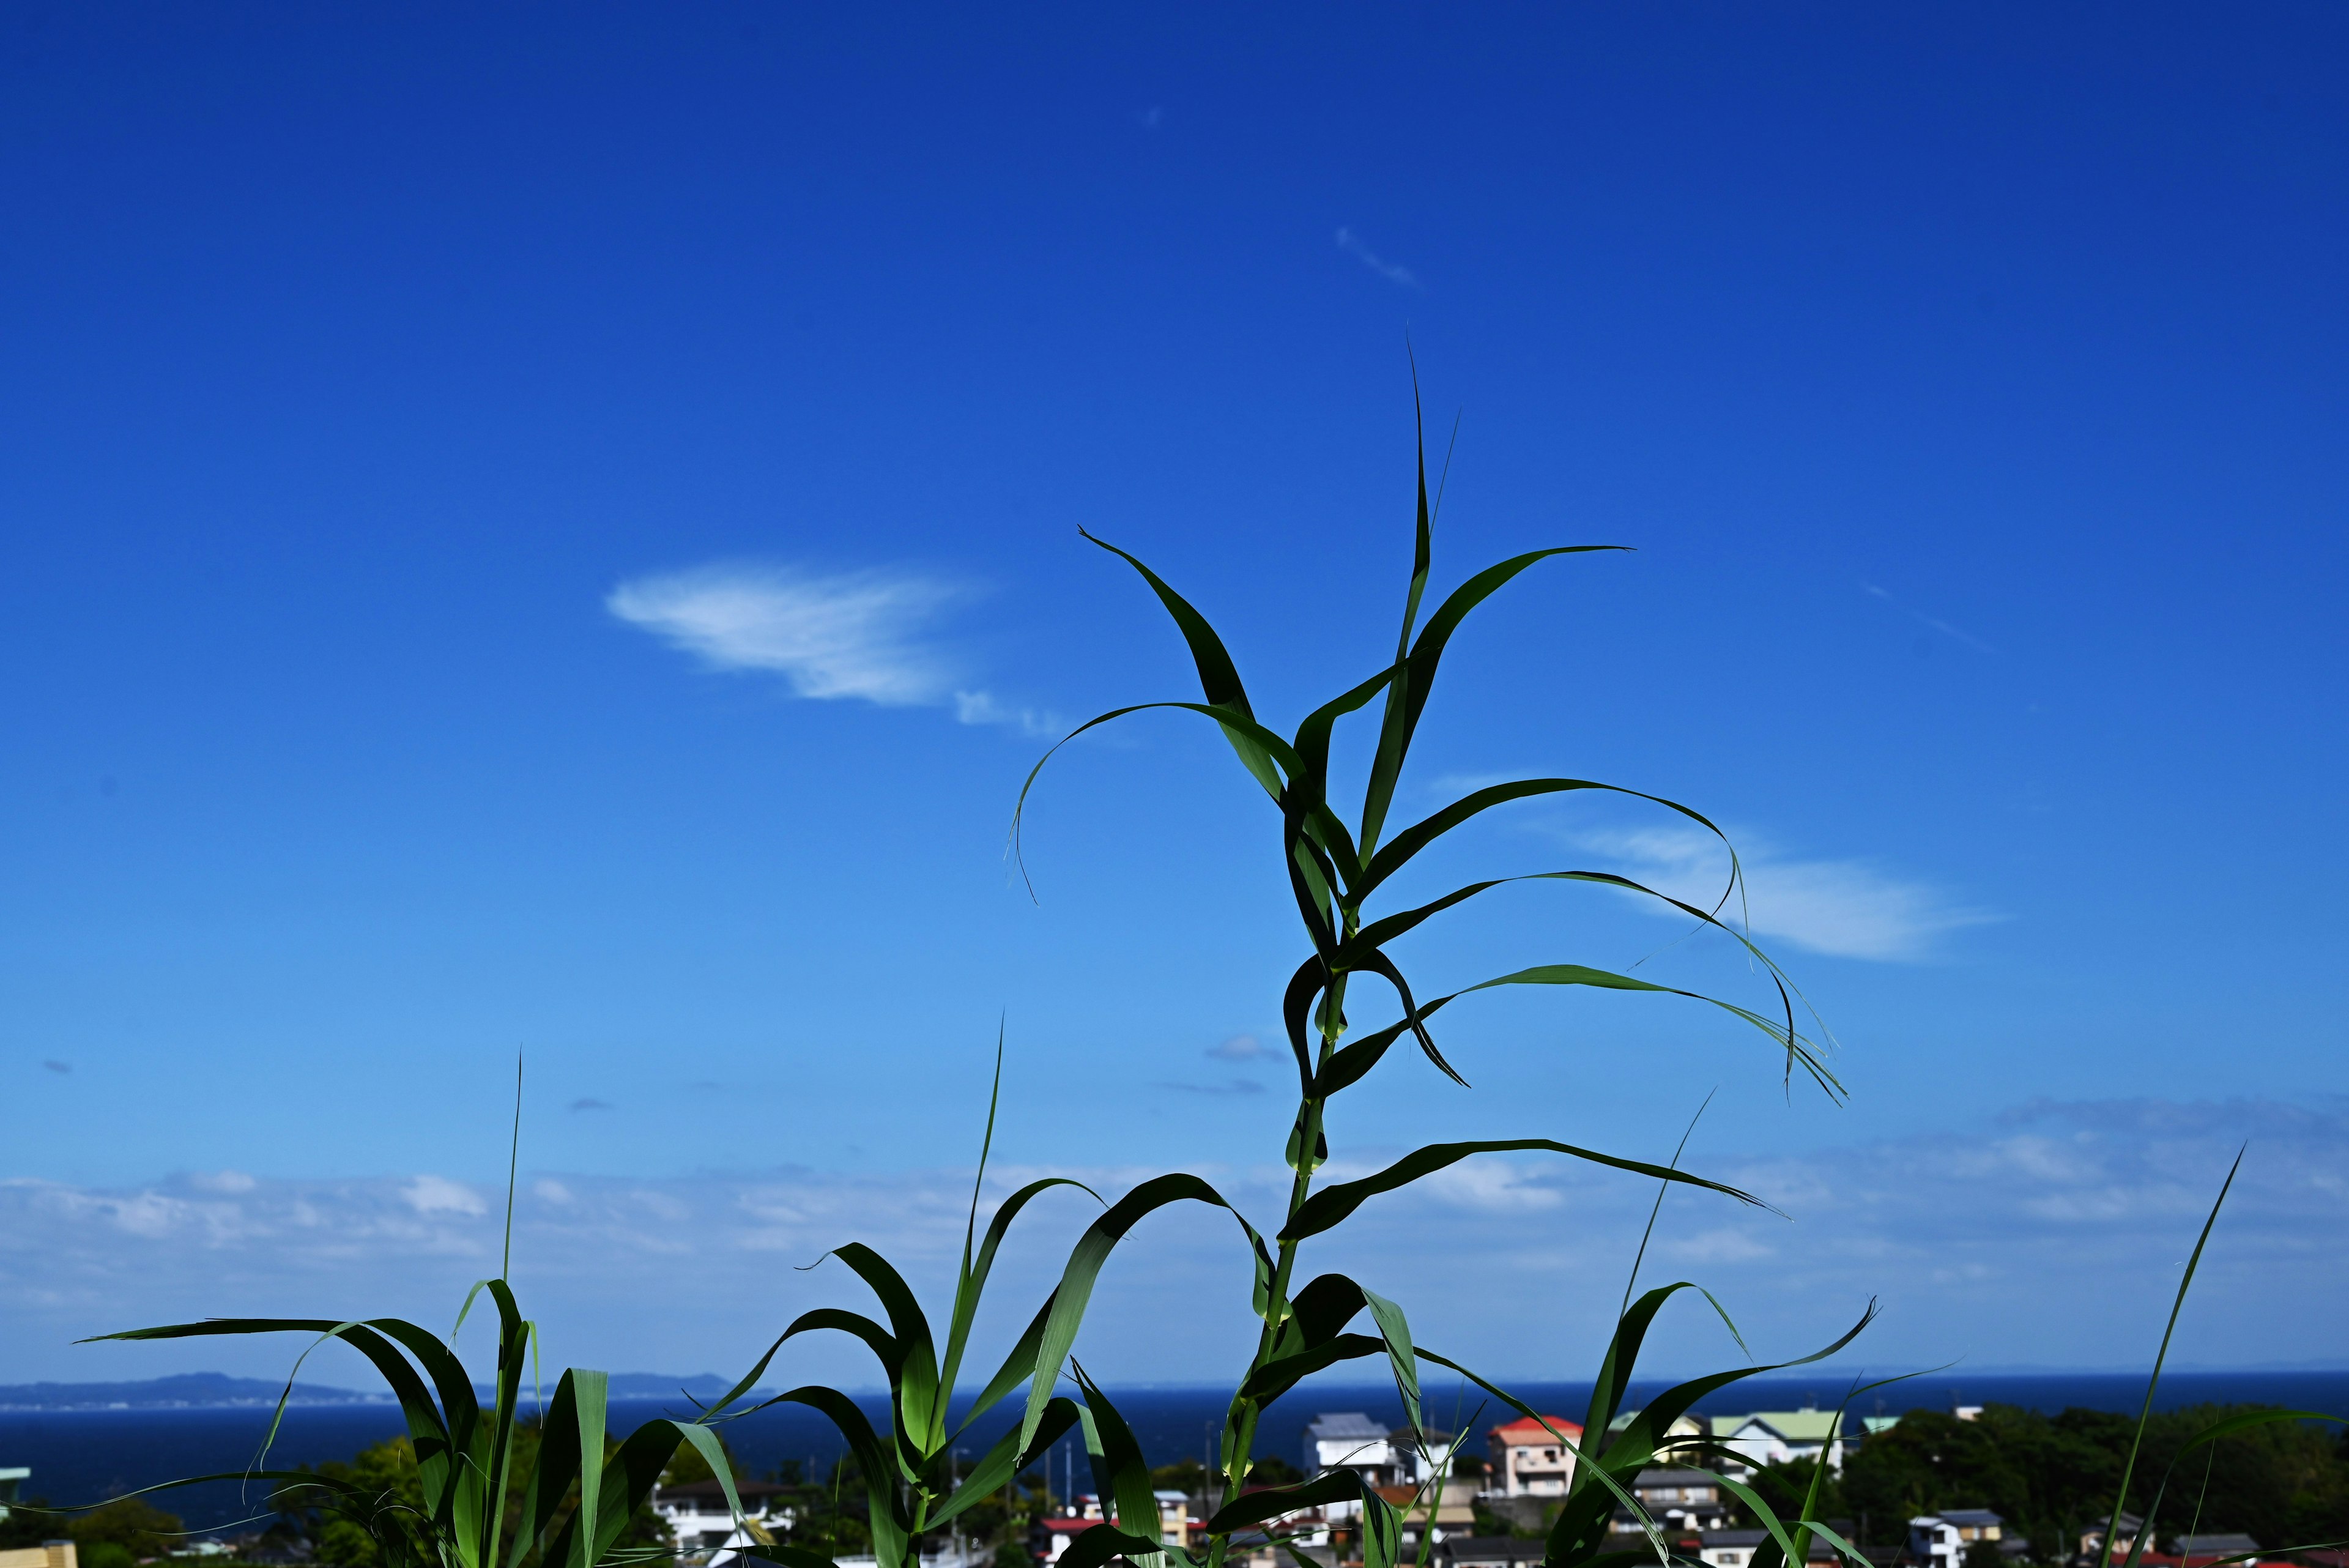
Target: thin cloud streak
1348 241
1921 619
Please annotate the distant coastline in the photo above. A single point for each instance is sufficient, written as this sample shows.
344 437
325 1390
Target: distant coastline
219 1391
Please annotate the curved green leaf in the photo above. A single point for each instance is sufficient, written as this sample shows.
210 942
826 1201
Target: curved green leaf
1398 853
1121 1475
1085 1266
1332 1204
1005 1460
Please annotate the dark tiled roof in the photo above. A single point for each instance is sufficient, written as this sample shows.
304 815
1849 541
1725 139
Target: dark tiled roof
700 1489
1493 1549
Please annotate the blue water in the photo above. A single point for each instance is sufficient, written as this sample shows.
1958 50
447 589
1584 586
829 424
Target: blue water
83 1456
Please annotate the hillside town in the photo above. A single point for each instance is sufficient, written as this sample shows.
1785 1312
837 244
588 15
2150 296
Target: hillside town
1973 1487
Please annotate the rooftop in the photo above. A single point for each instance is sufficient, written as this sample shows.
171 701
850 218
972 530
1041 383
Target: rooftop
1795 1426
1526 1429
1346 1424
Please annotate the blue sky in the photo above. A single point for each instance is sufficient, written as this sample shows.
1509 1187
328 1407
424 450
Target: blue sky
558 531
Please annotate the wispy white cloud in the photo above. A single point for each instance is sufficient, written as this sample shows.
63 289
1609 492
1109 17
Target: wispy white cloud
866 635
856 634
2052 1234
1352 244
1844 908
981 708
1239 1048
1921 619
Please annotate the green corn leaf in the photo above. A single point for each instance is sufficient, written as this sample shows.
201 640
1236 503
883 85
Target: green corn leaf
1386 763
1332 1204
1271 1502
2229 1425
1219 679
1396 1334
1121 1475
1312 741
1237 728
1615 1368
1273 1378
427 1429
1016 1367
1347 1065
1581 1524
576 1410
882 1468
2144 1416
1584 1461
1096 1547
1641 1437
786 1556
1407 696
1398 853
1005 1460
918 1396
966 1299
1785 1036
1085 1266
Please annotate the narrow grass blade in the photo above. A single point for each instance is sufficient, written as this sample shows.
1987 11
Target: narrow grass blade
1331 1205
2145 1415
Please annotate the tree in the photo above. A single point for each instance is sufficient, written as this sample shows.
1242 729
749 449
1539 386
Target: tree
136 1528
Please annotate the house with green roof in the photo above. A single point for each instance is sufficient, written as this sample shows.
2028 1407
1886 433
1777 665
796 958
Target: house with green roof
1775 1436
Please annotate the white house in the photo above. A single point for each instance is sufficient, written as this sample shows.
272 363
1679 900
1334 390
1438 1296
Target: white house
1939 1540
1350 1440
1730 1548
698 1515
1774 1437
2123 1540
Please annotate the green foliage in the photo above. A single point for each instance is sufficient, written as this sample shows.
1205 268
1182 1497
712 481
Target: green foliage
1274 1470
105 1555
27 1523
489 1489
2051 1478
132 1525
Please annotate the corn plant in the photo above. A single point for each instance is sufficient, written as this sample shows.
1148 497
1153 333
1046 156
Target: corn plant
1338 868
582 1492
908 1476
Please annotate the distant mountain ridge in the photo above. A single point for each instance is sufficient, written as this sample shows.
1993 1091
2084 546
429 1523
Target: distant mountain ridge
189 1390
217 1390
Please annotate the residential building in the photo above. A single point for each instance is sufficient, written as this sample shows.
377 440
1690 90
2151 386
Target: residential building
1679 1429
1730 1548
2198 1551
1775 1436
1529 1461
1350 1440
48 1554
1682 1502
1490 1551
1455 1514
1173 1515
699 1517
2092 1539
1939 1540
1418 1455
10 1479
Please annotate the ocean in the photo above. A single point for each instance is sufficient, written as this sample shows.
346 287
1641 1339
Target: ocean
83 1456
